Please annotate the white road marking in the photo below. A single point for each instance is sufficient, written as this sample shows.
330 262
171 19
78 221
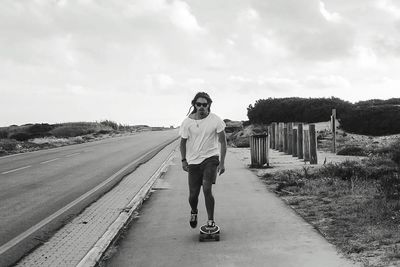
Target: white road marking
47 161
71 155
16 169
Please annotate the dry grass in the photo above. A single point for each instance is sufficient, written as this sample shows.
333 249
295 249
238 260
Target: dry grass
352 214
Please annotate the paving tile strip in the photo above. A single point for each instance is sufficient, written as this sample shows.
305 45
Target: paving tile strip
82 241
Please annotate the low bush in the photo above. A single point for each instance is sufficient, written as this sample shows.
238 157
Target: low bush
8 144
372 120
345 170
40 129
390 186
70 131
111 124
104 131
241 142
289 180
395 152
77 140
21 136
3 134
353 151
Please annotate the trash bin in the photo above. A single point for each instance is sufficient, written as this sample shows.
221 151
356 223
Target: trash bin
259 150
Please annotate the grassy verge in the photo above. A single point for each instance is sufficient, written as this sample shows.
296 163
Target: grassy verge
354 205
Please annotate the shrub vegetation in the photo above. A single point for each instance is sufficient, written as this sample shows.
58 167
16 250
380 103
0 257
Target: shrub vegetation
111 124
372 120
372 117
353 151
354 204
71 131
8 144
295 109
20 136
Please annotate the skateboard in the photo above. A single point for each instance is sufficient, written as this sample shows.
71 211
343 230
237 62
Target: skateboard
207 233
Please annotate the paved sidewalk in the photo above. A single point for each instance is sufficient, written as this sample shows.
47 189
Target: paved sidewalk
257 228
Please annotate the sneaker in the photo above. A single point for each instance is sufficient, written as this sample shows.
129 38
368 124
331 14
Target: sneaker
210 224
193 220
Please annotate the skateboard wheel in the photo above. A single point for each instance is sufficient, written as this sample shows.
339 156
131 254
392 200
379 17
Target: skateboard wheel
217 238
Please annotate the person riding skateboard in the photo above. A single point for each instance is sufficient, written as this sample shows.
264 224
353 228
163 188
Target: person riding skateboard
200 133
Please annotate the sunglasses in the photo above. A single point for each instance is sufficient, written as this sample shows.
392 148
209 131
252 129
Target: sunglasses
198 104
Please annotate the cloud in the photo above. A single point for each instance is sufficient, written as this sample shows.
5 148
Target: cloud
332 17
195 81
326 81
387 46
248 17
238 78
159 82
390 7
77 89
305 29
169 49
365 57
271 84
269 46
181 17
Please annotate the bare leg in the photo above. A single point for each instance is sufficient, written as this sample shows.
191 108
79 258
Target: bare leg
209 199
194 190
194 198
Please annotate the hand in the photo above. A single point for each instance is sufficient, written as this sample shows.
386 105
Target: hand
221 168
185 166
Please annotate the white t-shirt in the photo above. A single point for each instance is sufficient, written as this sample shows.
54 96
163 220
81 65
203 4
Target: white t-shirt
202 137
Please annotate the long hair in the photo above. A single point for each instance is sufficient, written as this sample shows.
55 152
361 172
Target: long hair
197 96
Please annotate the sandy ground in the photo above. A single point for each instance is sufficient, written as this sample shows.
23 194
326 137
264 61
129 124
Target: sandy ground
279 161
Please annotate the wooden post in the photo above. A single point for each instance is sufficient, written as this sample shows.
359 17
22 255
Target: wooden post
267 151
300 141
281 137
290 138
272 136
334 130
285 139
253 152
269 130
294 141
313 145
277 136
306 145
262 145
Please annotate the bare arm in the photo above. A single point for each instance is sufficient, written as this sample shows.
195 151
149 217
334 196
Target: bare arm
183 154
222 140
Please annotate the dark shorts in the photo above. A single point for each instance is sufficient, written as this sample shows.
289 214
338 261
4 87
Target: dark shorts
205 171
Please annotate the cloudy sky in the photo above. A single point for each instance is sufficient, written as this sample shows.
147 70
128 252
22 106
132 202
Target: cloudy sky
142 61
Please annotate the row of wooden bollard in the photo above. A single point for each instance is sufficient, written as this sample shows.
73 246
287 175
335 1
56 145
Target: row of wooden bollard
294 139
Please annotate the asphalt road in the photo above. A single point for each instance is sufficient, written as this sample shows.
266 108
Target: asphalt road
35 185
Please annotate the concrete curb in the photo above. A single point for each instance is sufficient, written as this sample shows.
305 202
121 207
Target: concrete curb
112 233
14 249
